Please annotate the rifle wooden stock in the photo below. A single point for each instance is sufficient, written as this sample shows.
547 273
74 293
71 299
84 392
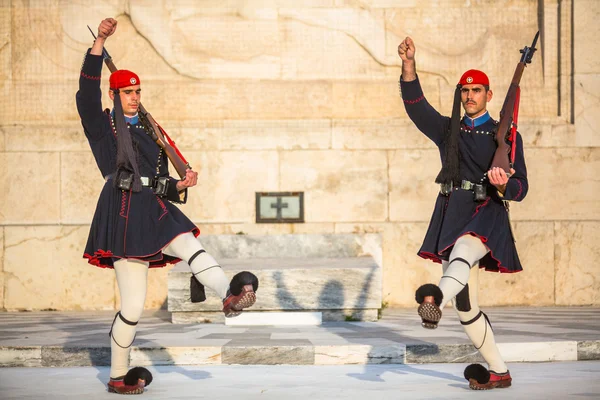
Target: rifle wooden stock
156 133
501 156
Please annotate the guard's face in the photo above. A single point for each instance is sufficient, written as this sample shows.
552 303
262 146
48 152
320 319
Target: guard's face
474 99
130 99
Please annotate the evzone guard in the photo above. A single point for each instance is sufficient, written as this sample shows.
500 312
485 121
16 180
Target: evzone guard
135 225
470 227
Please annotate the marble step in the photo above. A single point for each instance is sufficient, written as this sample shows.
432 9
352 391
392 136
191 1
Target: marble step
343 288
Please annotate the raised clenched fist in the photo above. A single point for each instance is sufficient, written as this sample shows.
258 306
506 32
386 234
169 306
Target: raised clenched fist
406 49
107 27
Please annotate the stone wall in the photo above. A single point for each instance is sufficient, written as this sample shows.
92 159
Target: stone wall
288 95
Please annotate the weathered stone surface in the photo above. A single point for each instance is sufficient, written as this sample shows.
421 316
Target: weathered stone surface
343 43
587 109
28 137
338 185
292 284
44 269
586 12
21 356
413 190
535 285
360 354
268 355
148 356
588 350
295 246
382 133
556 191
577 274
368 100
276 134
80 186
228 182
2 268
59 356
36 199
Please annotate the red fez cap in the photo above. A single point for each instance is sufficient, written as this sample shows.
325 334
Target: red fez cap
123 78
474 77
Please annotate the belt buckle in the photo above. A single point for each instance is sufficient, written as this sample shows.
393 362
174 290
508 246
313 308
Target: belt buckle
145 181
466 185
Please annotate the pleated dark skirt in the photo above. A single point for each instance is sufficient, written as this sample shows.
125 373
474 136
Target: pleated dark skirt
134 225
457 215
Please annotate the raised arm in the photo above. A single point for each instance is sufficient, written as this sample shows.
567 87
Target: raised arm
424 116
89 95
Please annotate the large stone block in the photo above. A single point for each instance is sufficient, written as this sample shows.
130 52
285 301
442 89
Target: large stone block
341 43
44 269
384 133
534 286
586 31
44 137
5 42
31 188
577 272
563 185
413 190
330 272
190 135
587 109
338 185
298 284
293 246
244 99
81 184
227 182
1 268
368 100
292 134
213 47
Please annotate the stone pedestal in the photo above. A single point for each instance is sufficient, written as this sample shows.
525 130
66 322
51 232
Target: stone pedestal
338 275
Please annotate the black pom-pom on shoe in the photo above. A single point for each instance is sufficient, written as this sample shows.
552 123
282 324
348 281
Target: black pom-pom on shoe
429 289
134 374
242 279
477 372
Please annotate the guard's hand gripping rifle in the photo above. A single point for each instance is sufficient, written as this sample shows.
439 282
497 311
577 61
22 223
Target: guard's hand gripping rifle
155 131
507 128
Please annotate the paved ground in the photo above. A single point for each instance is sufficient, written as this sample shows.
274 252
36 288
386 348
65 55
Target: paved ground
60 339
564 380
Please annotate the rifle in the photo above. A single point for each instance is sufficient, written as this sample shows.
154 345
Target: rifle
507 128
156 132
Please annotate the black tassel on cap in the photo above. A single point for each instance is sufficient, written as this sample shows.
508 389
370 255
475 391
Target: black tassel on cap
126 157
450 172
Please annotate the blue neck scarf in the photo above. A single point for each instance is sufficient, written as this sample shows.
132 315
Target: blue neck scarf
474 122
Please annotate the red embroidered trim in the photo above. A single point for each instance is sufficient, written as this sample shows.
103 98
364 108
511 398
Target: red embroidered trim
487 200
94 78
95 259
415 101
501 268
123 205
164 208
520 190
